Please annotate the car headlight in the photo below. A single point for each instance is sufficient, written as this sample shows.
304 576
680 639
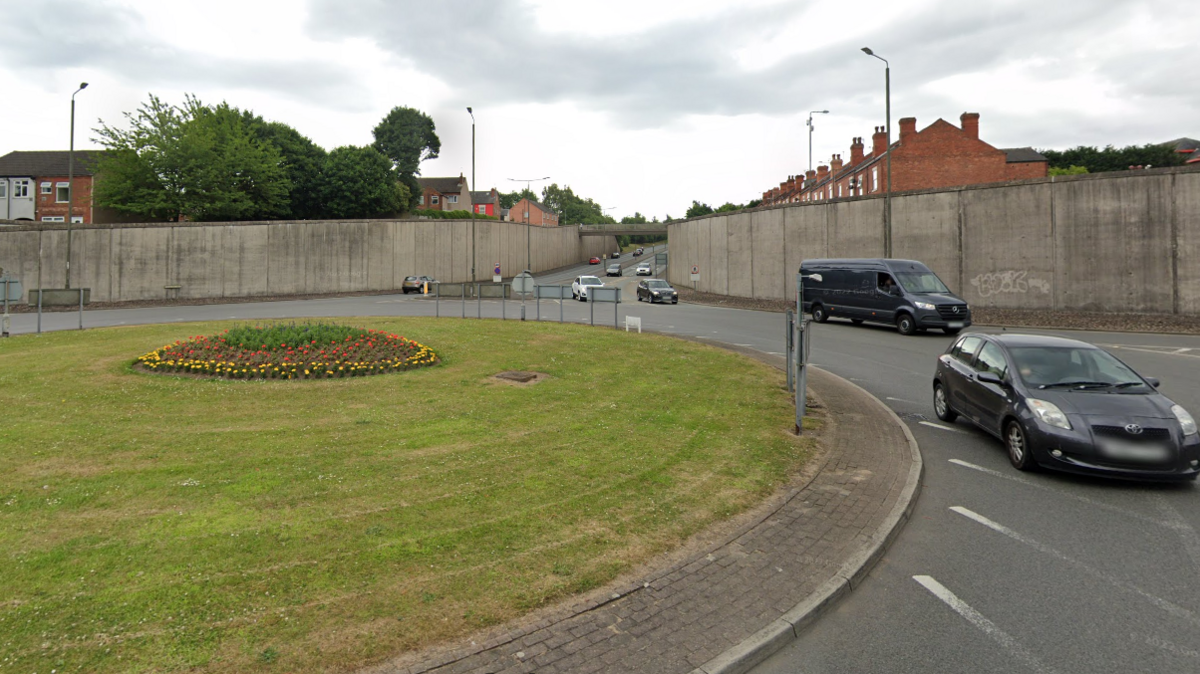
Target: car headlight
924 305
1186 422
655 293
1049 413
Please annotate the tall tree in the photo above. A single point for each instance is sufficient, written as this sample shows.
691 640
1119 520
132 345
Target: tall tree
697 209
572 208
302 162
509 199
1112 158
359 182
407 137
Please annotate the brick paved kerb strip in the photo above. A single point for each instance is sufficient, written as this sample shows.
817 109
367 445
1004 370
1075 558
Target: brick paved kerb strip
732 605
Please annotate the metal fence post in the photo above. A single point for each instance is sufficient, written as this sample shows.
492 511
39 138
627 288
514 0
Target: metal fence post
616 305
502 305
437 302
592 309
81 308
537 301
560 304
478 302
4 323
791 342
39 310
463 295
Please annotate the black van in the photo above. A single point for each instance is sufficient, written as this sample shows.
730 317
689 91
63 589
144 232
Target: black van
904 293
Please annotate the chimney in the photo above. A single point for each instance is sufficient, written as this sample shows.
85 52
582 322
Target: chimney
879 142
856 151
822 172
970 124
835 164
908 126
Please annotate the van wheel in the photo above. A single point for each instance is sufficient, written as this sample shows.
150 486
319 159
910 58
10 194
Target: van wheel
818 314
905 324
951 331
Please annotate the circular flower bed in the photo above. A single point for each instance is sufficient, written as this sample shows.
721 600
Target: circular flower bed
310 351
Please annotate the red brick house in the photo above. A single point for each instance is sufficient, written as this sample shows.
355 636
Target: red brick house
33 186
940 155
532 212
444 194
486 203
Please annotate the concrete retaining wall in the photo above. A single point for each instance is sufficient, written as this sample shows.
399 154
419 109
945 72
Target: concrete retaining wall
135 261
1126 241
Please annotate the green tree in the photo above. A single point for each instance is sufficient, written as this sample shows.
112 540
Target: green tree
728 207
509 199
302 162
1114 159
407 137
573 209
697 209
1068 171
194 161
359 182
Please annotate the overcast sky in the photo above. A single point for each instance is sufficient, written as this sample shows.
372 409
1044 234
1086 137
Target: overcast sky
643 105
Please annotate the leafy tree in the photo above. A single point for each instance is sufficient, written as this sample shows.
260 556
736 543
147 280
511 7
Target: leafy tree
407 137
510 199
194 161
754 203
302 162
358 182
728 207
1068 171
697 209
573 209
1114 159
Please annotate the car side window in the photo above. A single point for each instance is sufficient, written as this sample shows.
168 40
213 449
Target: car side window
966 348
991 359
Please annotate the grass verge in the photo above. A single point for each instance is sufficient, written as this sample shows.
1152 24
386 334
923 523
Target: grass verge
153 522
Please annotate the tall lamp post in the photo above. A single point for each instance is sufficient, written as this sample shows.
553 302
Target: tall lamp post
887 93
810 130
71 182
528 227
472 114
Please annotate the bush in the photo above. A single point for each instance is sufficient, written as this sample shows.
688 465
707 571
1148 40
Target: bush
453 215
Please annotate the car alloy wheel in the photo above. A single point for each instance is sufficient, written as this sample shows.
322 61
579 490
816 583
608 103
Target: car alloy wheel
941 406
1019 453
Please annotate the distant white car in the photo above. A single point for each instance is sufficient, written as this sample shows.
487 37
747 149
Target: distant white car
643 269
580 287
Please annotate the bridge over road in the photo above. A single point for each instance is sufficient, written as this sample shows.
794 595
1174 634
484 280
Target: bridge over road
616 230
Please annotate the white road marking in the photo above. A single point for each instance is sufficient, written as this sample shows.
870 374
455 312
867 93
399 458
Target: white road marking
1173 609
1077 497
1187 535
1159 642
939 426
901 400
776 353
744 345
983 624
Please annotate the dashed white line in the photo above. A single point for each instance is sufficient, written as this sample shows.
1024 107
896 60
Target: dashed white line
983 624
1173 609
902 400
1187 535
1159 642
744 345
939 426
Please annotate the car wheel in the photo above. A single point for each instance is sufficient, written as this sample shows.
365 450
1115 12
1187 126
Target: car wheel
941 406
951 331
1020 455
818 313
905 324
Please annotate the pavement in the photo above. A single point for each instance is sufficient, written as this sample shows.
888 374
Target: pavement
735 602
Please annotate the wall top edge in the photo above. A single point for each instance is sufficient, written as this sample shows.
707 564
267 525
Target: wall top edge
27 226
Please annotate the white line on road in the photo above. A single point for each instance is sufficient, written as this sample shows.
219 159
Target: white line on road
986 626
939 426
1173 609
1077 497
1158 642
1191 541
901 400
745 346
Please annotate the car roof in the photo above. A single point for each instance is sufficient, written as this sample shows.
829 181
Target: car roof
1025 339
873 264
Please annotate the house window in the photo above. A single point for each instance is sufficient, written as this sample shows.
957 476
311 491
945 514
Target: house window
875 179
452 198
77 219
422 201
21 189
839 191
46 187
433 198
52 218
3 189
482 209
63 193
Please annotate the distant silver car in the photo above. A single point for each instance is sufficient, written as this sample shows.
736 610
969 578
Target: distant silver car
643 269
613 270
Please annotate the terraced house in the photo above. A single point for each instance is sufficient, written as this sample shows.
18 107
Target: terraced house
34 186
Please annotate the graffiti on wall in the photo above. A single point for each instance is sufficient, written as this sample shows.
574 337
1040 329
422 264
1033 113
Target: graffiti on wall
1009 281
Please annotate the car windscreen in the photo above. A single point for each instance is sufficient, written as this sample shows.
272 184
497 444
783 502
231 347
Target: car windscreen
921 282
1070 367
658 285
590 281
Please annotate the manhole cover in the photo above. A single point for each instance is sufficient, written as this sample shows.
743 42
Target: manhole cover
518 376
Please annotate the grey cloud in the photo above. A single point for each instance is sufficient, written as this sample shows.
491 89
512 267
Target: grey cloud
37 38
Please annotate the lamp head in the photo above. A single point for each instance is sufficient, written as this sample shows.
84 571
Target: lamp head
867 51
469 110
82 85
824 112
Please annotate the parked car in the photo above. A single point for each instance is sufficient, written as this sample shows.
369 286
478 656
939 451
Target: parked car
613 270
904 293
656 290
643 269
638 252
581 284
594 260
1066 404
415 284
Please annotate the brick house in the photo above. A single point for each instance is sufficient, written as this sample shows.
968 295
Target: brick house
486 203
444 194
528 211
940 155
33 186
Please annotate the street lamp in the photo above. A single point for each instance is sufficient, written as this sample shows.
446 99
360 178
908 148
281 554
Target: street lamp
71 182
472 114
528 230
810 130
887 93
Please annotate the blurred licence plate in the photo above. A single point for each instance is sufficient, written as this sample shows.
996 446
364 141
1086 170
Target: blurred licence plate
1134 452
954 324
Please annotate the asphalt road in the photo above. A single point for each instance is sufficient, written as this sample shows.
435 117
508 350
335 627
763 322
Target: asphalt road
998 571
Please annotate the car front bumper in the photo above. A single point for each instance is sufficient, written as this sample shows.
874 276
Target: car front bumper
1079 453
932 319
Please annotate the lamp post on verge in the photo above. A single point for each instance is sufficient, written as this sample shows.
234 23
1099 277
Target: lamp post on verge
71 183
528 227
887 93
472 114
810 130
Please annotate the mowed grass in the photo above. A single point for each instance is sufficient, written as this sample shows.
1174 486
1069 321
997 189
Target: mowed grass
159 523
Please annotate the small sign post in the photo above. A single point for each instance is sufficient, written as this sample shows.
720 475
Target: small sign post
496 277
695 275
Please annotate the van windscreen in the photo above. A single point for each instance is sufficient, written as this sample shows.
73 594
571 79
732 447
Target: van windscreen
921 282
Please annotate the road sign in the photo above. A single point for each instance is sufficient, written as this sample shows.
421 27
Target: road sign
523 283
660 258
496 277
695 273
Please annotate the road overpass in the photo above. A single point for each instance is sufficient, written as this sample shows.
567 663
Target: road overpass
620 230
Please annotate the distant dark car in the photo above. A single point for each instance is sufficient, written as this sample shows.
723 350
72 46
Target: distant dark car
1067 405
415 284
638 252
656 290
613 270
594 260
616 255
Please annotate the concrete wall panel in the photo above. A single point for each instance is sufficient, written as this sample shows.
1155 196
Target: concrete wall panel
196 262
1186 219
740 244
718 254
927 229
855 228
804 238
245 261
768 253
1008 247
140 262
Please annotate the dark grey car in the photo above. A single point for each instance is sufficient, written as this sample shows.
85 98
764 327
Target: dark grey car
1066 404
656 290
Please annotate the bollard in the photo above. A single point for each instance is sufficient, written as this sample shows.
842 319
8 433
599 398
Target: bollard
522 312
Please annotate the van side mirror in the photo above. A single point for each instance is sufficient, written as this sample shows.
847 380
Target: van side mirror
896 291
